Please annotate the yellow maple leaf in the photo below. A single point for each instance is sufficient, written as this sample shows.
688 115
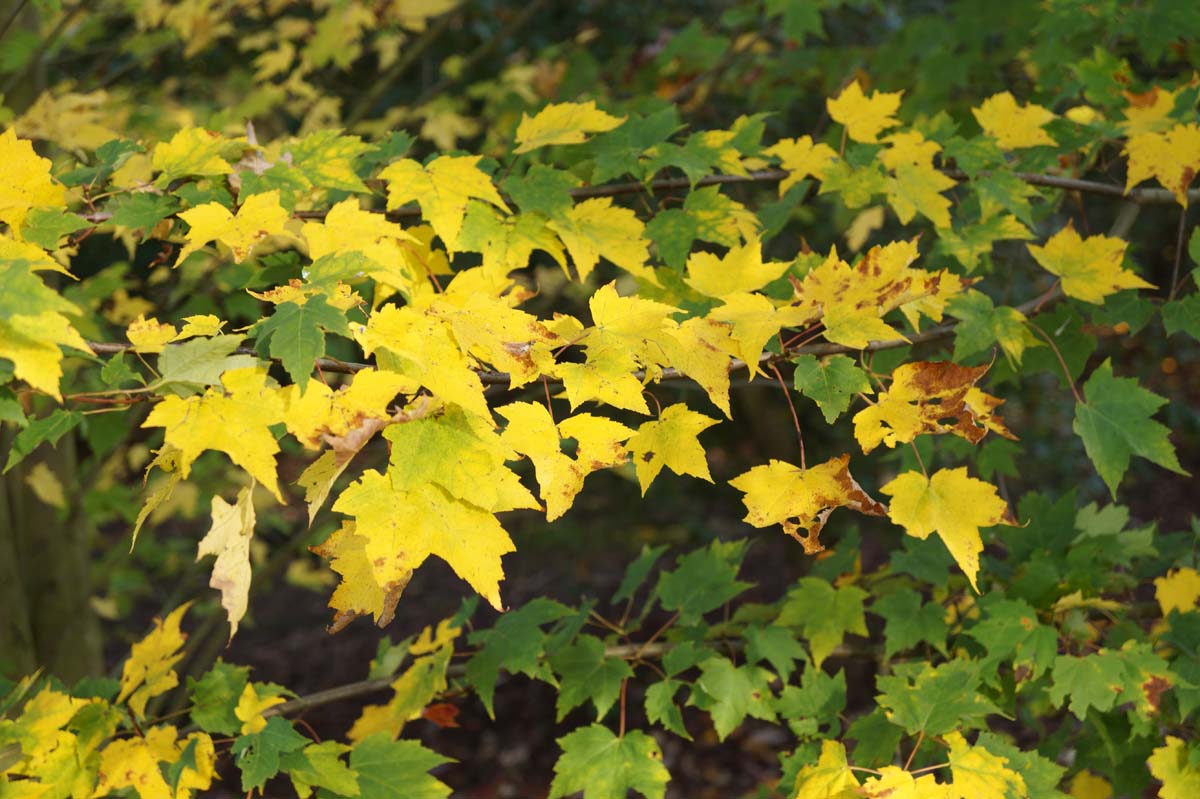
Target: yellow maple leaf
606 377
1173 157
1014 126
191 151
1178 590
562 123
235 423
259 216
893 782
348 228
596 228
951 504
830 778
1172 764
919 188
783 494
135 762
1086 785
493 333
358 593
1149 111
909 147
206 325
1090 268
507 241
531 431
25 182
250 709
320 413
801 158
150 669
150 335
755 320
229 539
671 441
864 117
852 301
979 774
741 270
423 348
929 397
442 188
403 528
32 343
699 348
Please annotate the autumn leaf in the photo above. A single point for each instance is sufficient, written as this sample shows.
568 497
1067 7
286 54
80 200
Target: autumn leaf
930 397
442 187
358 593
150 335
980 774
250 709
562 123
741 270
1173 157
25 183
1178 590
229 539
191 151
1171 763
235 423
754 320
864 117
1014 126
780 493
951 504
150 669
1090 268
259 216
671 441
830 777
596 228
801 158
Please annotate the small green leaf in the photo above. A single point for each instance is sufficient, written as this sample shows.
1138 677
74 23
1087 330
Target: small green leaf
983 325
909 621
45 226
188 368
637 571
1114 423
831 383
585 672
258 756
387 769
141 211
542 190
702 581
320 765
661 707
603 766
777 645
49 428
938 700
515 643
824 614
295 334
215 696
735 692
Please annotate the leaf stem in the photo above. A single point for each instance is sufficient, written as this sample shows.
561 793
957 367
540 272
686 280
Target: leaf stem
795 417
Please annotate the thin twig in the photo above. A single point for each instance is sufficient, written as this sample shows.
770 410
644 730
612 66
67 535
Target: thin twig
16 12
1179 239
792 407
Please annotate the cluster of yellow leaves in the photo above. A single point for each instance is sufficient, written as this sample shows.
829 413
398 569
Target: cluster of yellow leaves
975 772
65 746
1159 147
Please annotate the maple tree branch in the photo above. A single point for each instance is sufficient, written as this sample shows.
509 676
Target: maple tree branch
488 378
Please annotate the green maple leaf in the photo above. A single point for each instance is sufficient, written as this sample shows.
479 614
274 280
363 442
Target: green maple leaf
1184 315
637 571
876 739
824 614
982 324
189 367
45 226
320 765
618 151
707 215
1115 424
543 189
258 755
856 184
141 211
831 383
777 645
1110 677
586 673
603 766
938 700
732 693
973 243
49 428
515 643
703 580
214 697
327 159
909 621
388 768
1010 630
816 703
295 334
661 707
